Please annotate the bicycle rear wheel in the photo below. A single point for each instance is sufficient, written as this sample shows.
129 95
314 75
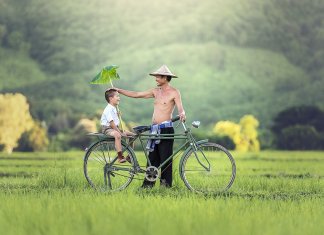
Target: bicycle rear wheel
103 171
210 169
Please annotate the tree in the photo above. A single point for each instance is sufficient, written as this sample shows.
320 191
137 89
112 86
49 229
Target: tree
299 127
15 119
35 139
244 134
2 32
79 134
249 125
299 137
299 115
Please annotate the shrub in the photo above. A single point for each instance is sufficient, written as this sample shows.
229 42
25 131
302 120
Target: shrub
299 137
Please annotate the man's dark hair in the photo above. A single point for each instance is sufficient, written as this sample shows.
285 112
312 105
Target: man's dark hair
168 78
110 93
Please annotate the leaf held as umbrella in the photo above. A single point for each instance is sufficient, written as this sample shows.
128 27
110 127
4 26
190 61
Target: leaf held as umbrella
106 75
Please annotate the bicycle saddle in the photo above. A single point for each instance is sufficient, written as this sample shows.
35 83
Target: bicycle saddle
140 129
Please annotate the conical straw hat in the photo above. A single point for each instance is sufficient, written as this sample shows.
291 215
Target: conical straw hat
164 70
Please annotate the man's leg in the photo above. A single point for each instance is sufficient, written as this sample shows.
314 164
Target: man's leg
165 151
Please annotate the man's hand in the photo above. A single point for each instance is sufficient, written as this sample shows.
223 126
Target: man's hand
182 116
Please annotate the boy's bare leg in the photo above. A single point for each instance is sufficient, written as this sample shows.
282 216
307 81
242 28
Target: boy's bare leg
117 137
129 133
118 146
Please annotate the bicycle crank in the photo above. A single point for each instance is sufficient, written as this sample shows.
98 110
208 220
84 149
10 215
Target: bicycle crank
151 173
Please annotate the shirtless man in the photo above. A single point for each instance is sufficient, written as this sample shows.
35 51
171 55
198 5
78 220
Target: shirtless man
165 100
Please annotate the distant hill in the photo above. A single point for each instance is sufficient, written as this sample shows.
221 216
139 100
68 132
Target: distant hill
232 58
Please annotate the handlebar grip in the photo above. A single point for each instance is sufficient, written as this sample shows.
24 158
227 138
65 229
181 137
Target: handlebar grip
175 119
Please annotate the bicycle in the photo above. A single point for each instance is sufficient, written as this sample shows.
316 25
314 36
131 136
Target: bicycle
204 167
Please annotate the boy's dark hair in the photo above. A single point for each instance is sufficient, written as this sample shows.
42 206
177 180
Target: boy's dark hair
168 78
110 93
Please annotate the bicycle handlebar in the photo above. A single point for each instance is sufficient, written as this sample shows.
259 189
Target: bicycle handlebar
175 119
140 129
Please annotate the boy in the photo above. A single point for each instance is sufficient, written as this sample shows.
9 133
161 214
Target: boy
110 121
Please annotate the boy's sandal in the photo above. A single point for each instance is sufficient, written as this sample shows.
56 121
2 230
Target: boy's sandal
121 160
128 159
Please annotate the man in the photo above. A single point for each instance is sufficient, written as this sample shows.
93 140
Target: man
165 99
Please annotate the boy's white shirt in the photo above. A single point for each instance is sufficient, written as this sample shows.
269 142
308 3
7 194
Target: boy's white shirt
109 114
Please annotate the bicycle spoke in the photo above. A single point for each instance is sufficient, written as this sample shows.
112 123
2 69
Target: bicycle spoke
109 181
99 158
105 178
108 152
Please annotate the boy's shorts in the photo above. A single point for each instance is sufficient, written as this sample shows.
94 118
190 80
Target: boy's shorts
107 130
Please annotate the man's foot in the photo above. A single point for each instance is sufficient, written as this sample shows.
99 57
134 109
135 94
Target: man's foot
147 185
164 184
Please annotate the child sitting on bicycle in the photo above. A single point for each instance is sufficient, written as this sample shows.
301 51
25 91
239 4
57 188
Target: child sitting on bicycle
110 122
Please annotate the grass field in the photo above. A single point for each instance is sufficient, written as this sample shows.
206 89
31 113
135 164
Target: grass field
274 193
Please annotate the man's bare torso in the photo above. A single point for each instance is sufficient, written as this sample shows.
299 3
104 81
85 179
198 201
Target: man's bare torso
164 103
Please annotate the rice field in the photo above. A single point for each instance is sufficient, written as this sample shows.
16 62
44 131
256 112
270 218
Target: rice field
273 193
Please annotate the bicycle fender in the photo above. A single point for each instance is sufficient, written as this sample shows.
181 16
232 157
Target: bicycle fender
190 147
187 151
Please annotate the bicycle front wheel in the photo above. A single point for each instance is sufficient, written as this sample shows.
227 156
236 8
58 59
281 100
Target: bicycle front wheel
103 171
209 169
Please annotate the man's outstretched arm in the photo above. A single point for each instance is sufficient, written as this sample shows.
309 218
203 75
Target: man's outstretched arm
136 94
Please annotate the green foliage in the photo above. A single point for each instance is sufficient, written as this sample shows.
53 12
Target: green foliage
2 32
106 75
299 115
79 138
35 139
15 40
59 142
60 123
299 137
299 127
18 72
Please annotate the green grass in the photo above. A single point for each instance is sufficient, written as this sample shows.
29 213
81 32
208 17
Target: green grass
274 193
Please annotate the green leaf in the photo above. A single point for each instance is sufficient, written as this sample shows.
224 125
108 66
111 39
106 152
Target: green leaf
106 75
